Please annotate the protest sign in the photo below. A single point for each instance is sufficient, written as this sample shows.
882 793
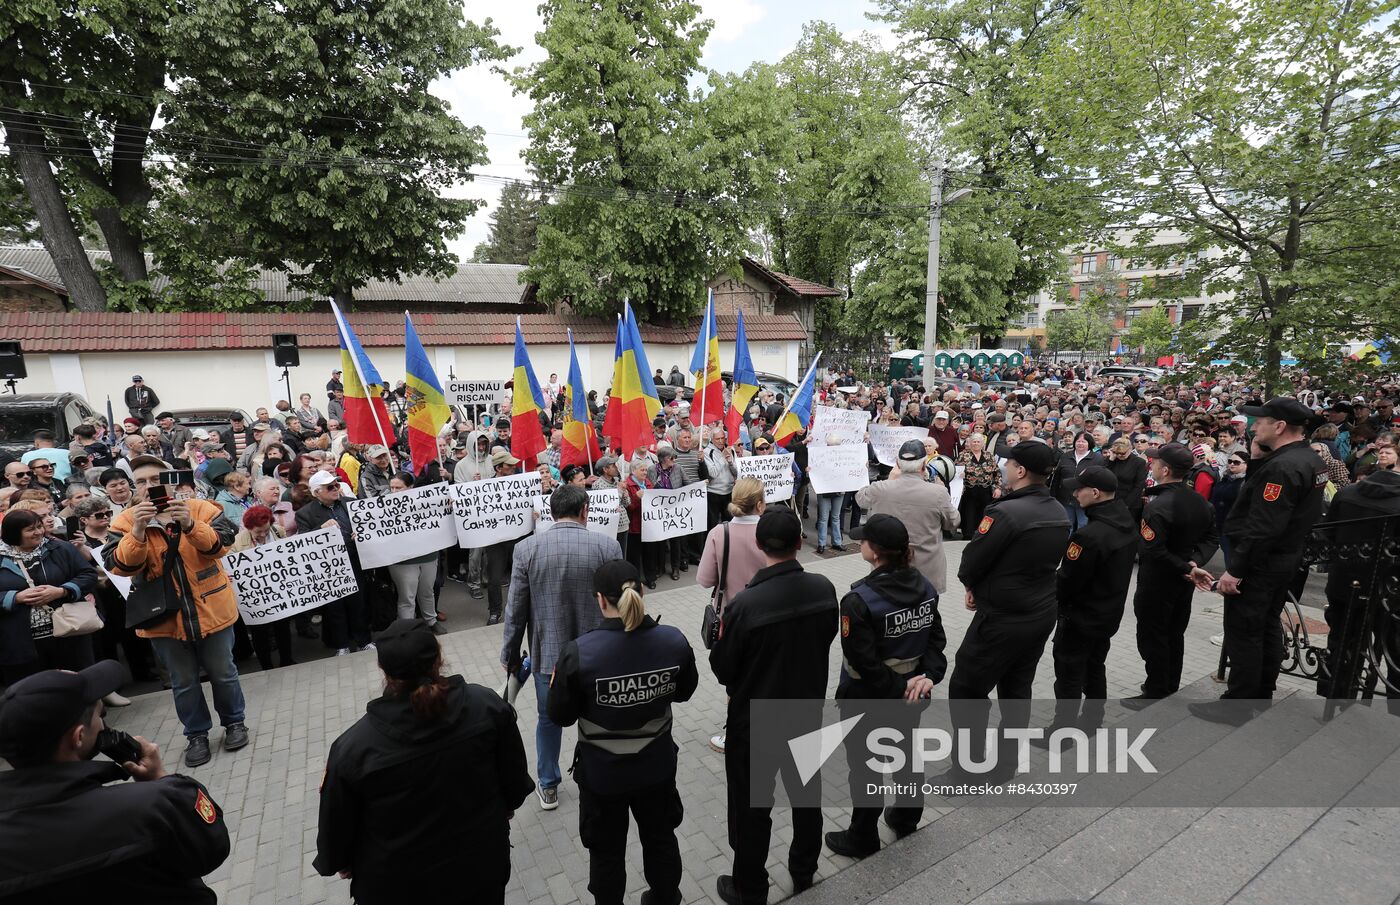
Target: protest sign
887 440
496 509
282 578
837 469
673 513
604 512
120 582
774 471
399 526
848 424
475 392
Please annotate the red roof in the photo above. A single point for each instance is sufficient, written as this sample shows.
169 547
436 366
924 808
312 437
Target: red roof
121 332
794 285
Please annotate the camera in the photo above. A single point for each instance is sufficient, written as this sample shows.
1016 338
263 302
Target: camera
118 745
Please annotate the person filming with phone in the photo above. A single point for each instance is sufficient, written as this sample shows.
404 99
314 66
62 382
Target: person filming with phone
181 598
74 830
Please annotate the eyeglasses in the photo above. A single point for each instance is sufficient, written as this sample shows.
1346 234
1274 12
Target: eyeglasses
1237 461
105 513
43 467
19 474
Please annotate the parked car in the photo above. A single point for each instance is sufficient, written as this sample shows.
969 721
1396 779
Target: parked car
23 414
1128 372
208 417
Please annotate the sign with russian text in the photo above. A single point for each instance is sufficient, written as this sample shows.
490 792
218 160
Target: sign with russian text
838 469
282 578
604 512
887 440
673 513
494 510
848 424
398 526
775 472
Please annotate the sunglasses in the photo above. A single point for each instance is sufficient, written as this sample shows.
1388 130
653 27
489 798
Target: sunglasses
1237 461
105 513
20 474
43 467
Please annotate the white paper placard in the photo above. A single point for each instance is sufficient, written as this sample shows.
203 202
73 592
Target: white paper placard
399 526
282 578
887 440
673 513
475 392
604 512
849 424
838 469
774 471
494 510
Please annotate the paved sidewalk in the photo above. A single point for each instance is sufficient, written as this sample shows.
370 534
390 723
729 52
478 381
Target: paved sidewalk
269 790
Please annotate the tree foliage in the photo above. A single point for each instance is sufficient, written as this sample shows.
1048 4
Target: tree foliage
654 179
1152 331
513 227
1265 130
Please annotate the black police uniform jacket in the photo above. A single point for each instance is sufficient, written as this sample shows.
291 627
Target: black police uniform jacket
619 687
1177 529
67 836
1092 583
1377 496
890 630
414 806
775 640
1009 565
1279 503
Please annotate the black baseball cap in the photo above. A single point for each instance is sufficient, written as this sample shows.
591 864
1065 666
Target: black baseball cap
407 649
910 451
1096 477
37 710
1177 455
778 531
611 578
1281 408
1034 456
883 530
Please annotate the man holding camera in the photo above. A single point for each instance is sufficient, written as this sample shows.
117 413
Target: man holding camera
67 835
181 598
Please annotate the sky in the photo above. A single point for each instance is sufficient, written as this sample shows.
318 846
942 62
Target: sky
745 32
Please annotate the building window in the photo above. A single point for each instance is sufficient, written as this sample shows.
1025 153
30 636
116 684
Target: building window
1134 288
1032 319
1190 312
1115 262
1131 315
1089 264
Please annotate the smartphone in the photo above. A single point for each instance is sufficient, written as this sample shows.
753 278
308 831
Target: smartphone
73 529
159 499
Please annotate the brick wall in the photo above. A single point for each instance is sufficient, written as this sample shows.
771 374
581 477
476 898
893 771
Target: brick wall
23 298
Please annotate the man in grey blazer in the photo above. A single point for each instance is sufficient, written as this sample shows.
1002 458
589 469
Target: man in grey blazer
551 593
923 506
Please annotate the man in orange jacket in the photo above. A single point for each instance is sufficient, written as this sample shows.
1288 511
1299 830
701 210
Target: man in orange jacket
182 599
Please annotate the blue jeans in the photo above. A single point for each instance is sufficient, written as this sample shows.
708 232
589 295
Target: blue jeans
548 737
829 518
183 660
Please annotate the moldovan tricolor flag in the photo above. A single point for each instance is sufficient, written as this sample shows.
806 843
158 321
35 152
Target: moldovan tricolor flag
366 415
580 443
612 418
708 404
634 389
799 412
526 403
745 383
427 406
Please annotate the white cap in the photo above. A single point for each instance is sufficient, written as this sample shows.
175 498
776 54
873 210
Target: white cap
323 479
976 405
941 415
199 433
376 451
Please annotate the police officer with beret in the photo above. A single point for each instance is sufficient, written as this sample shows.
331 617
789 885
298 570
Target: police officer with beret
1267 529
1178 536
892 643
69 836
618 683
1091 587
1008 569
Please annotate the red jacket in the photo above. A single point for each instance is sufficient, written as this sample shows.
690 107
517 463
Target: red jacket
634 504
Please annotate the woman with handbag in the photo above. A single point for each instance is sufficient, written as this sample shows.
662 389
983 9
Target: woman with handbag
47 614
260 527
731 558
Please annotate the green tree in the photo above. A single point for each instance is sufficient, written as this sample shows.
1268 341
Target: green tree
1152 331
1084 326
1266 132
332 154
513 226
653 181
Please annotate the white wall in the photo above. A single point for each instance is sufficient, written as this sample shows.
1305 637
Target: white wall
247 378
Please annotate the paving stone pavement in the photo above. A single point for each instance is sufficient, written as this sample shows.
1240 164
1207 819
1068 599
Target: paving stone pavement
269 790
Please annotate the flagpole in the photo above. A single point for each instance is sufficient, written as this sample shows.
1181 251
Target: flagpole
588 425
705 370
359 372
810 370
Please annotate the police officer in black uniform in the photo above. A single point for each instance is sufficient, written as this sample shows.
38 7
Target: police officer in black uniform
1008 569
892 643
1091 588
1178 536
1278 505
72 830
618 683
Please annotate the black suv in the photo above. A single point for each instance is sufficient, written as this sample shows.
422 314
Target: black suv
23 414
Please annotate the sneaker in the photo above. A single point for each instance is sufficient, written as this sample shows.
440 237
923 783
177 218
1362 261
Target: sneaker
197 751
476 593
343 652
369 646
549 798
316 619
438 629
495 618
115 700
235 737
717 742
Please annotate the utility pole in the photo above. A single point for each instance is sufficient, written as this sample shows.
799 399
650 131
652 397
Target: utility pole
935 217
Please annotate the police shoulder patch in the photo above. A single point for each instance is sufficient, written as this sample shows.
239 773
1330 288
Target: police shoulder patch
1147 533
845 626
1073 552
1272 492
986 524
205 808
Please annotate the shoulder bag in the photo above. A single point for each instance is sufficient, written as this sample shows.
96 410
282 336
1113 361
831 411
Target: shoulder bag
79 617
714 610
